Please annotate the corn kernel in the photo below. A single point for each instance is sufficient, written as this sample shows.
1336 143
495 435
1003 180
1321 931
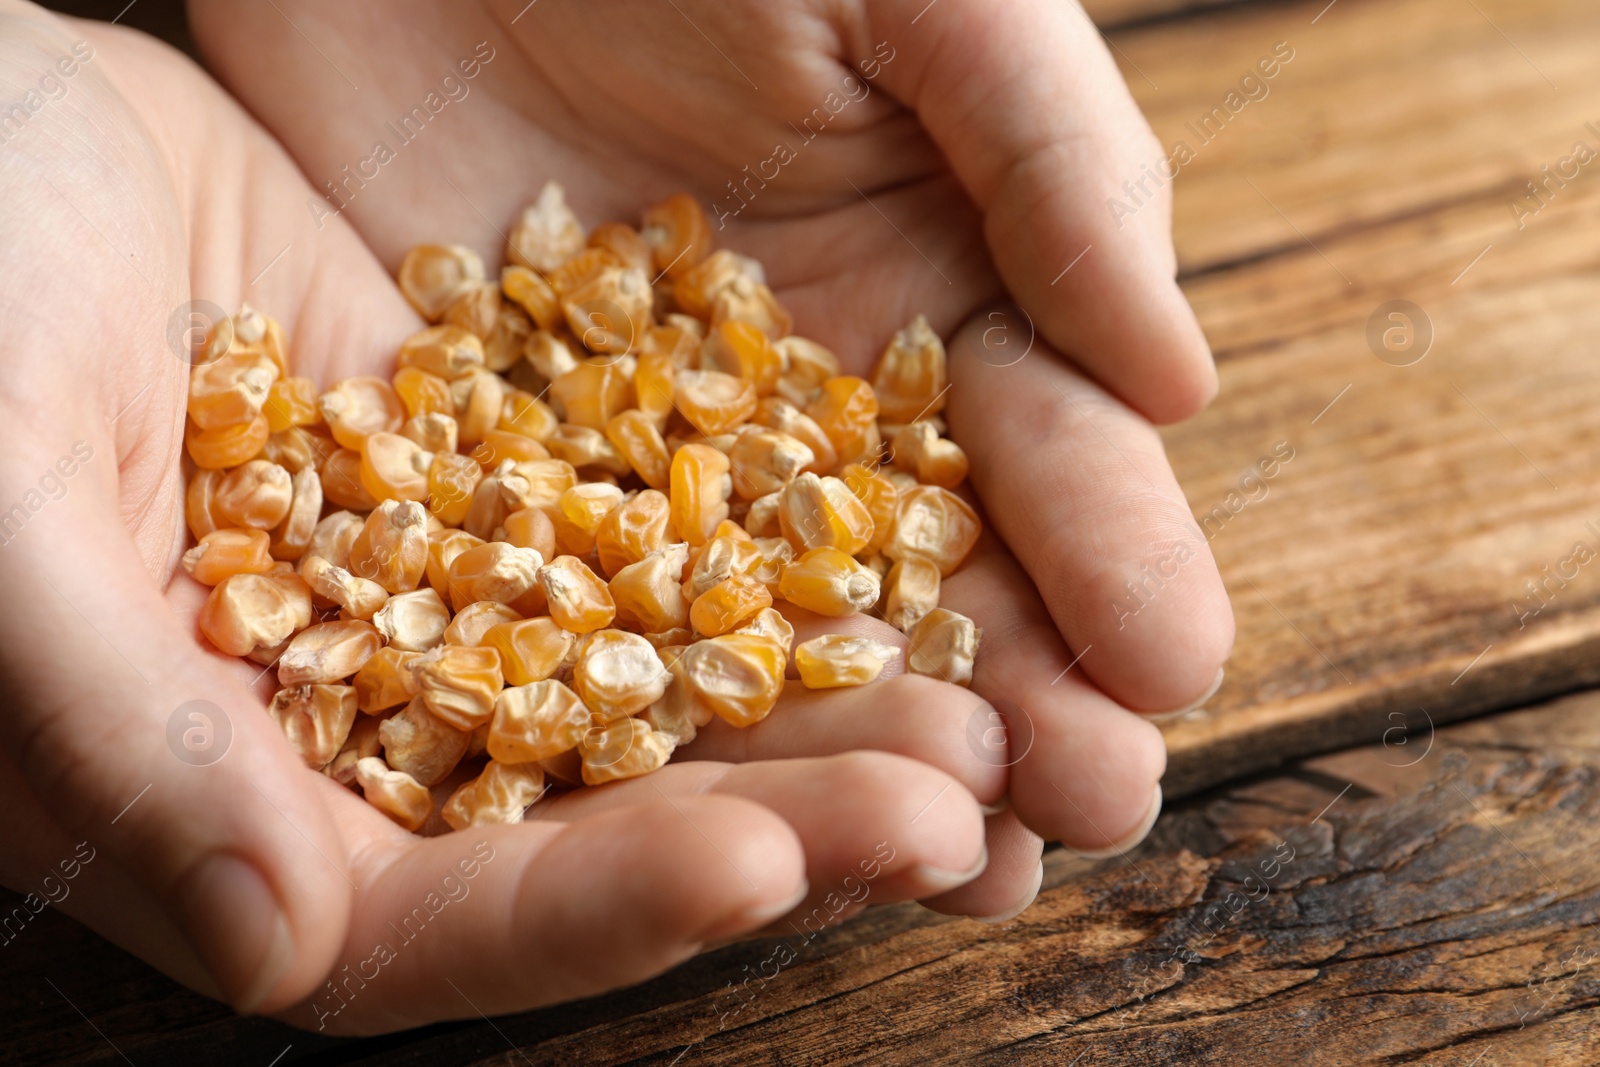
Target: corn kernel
525 414
617 673
250 611
847 411
712 401
944 645
623 748
432 276
775 553
332 537
480 397
653 382
577 516
548 233
748 301
392 548
610 311
578 599
413 622
549 355
765 461
935 460
639 442
394 467
291 402
504 344
648 594
341 481
224 553
498 446
316 720
359 597
458 684
361 744
535 722
420 744
531 650
529 528
828 582
228 446
231 390
933 524
911 590
496 571
432 431
443 547
586 448
293 534
700 486
806 366
880 497
678 234
741 349
423 393
823 513
395 793
632 530
472 622
676 714
770 623
501 794
780 415
761 518
356 407
728 605
738 676
839 660
328 652
910 379
532 293
298 448
385 681
719 559
696 289
476 309
453 481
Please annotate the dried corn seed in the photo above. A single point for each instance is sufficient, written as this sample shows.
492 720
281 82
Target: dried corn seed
392 548
549 355
256 495
765 461
840 660
496 571
328 652
474 620
678 235
700 487
738 676
696 289
761 519
356 407
498 446
879 496
395 793
548 233
823 513
617 673
828 582
770 623
298 448
538 483
394 467
453 481
224 553
649 595
413 622
577 516
293 534
847 410
911 590
610 311
578 599
776 553
361 744
432 431
712 401
933 524
228 446
529 289
944 645
423 393
623 748
432 276
498 795
639 442
231 390
458 684
421 744
504 344
585 448
719 559
781 415
476 309
529 528
443 547
653 386
728 605
341 481
385 681
250 611
480 397
316 720
748 301
935 460
247 332
910 379
332 537
590 394
291 402
743 350
531 650
676 715
525 414
359 597
806 365
536 722
624 242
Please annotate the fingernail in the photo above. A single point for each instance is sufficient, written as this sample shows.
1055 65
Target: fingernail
234 921
1193 705
997 807
1119 847
1021 906
745 920
938 880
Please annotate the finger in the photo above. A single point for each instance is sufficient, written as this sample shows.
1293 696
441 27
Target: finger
1028 106
1081 487
1083 771
95 676
1014 861
502 918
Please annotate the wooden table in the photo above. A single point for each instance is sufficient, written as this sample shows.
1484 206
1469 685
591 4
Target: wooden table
1351 880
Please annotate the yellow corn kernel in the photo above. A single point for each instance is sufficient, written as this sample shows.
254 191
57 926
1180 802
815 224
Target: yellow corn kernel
589 449
547 234
577 516
617 673
696 289
879 496
356 407
498 446
251 611
933 524
224 553
910 378
256 495
231 389
823 513
458 683
316 720
770 623
632 530
578 600
678 235
639 442
341 481
700 486
610 311
839 660
291 536
228 446
327 652
828 582
648 594
248 332
432 276
501 794
359 597
653 382
394 467
741 349
549 355
781 415
623 748
776 553
525 414
531 650
590 394
413 622
395 793
746 300
443 548
719 559
764 461
537 721
480 397
676 714
421 744
497 571
385 681
474 620
452 482
738 676
423 393
944 645
935 460
847 411
503 347
806 365
728 605
290 402
361 744
532 293
761 518
298 447
712 401
475 309
392 548
529 528
432 431
332 537
911 590
622 241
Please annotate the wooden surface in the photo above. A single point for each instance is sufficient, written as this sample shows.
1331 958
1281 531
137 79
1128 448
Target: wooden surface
1441 910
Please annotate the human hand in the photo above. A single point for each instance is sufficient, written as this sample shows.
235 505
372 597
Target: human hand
135 188
967 151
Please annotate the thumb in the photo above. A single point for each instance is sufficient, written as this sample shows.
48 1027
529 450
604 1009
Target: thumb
150 749
1025 102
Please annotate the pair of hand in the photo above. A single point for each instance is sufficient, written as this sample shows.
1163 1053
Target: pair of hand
975 163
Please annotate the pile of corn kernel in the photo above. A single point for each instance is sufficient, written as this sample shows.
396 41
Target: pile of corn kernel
549 547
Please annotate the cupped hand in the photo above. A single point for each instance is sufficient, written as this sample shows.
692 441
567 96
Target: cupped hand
881 160
132 195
